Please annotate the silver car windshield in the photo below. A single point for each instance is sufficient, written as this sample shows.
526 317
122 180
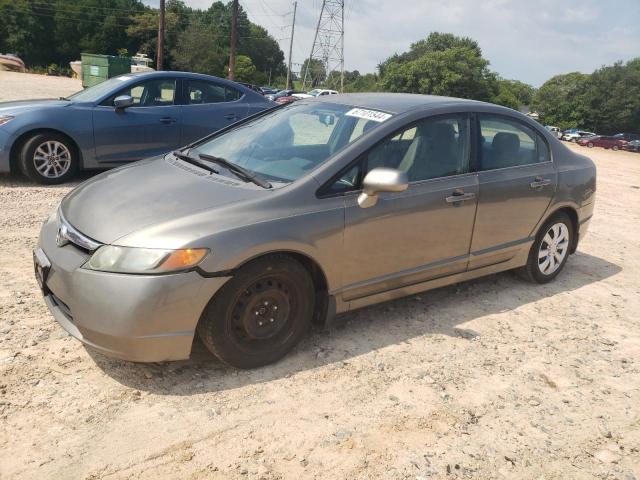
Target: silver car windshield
291 141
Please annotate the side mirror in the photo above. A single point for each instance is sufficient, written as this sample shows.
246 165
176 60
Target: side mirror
122 102
381 180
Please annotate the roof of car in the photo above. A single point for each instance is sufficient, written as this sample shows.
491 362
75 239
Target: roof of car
394 102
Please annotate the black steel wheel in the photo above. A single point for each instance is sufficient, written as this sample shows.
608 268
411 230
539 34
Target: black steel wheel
259 315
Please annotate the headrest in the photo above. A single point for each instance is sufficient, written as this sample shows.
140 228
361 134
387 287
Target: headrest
505 142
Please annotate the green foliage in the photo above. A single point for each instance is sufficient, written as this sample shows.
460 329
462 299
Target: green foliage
43 32
442 64
560 101
513 93
317 72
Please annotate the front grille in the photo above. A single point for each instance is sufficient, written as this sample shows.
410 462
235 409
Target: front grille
68 234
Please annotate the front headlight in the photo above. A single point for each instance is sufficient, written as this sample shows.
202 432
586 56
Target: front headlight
111 258
5 118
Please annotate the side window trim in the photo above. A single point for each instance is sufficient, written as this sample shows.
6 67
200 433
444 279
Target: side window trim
538 137
134 85
322 192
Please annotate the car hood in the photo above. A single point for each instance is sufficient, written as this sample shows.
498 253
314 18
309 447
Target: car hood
119 202
13 108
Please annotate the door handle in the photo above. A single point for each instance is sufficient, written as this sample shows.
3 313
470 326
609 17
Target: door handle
459 196
167 120
539 183
231 116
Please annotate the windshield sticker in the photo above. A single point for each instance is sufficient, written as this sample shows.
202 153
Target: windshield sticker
368 114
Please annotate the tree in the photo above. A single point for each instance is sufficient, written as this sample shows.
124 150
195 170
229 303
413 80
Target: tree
317 72
198 50
442 64
560 101
513 93
245 70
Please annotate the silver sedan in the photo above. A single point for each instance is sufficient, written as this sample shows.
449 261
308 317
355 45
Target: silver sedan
297 214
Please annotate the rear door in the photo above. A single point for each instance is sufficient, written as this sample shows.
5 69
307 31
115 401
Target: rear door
517 181
149 127
209 106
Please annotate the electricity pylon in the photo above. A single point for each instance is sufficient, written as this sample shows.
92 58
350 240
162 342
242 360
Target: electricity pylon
328 42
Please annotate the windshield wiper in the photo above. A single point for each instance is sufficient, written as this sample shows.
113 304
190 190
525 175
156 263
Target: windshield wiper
241 172
194 161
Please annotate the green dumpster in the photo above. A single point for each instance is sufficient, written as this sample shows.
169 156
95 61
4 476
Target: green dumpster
97 68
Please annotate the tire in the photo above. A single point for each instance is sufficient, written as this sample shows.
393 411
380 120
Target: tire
49 158
574 140
259 315
534 270
590 145
615 148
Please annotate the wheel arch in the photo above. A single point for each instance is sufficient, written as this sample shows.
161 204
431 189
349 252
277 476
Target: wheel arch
572 213
20 141
318 276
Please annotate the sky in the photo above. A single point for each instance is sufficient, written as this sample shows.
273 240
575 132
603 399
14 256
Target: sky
527 40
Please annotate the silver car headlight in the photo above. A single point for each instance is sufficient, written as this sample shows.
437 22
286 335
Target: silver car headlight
5 118
112 258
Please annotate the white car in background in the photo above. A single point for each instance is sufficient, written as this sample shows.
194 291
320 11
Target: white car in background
577 135
555 130
317 92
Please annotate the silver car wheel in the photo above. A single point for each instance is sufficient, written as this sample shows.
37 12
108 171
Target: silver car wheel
553 248
52 159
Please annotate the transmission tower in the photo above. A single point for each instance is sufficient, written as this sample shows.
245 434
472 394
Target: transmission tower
328 42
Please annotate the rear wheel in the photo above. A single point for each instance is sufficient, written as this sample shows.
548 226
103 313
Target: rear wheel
615 148
550 250
259 315
590 144
49 158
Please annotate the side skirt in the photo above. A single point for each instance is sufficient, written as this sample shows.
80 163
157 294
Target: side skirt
517 261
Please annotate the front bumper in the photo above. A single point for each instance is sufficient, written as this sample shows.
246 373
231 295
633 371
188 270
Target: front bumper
142 318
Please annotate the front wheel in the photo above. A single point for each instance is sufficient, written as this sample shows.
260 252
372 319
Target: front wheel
49 158
590 144
615 148
550 250
259 315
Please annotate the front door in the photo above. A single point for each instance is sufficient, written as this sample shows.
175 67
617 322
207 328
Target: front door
517 182
149 127
423 232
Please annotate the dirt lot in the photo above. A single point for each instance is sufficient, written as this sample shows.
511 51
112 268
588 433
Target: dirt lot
494 378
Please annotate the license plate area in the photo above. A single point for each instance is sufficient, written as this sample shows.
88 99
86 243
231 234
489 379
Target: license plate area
41 266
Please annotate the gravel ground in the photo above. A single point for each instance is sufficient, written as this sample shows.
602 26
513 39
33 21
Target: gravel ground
494 378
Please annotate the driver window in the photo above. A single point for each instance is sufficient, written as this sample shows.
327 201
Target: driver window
152 93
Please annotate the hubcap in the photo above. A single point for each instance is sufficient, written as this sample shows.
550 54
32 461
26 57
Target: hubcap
262 313
553 248
52 159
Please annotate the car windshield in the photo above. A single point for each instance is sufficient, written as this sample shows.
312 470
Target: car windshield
98 91
315 92
289 142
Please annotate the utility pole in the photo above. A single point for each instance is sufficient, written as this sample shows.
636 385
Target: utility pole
160 52
234 40
293 28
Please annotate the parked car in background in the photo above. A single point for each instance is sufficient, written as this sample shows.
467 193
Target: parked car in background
632 146
253 87
287 99
554 130
317 92
123 119
304 212
627 136
269 90
280 93
602 141
575 135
